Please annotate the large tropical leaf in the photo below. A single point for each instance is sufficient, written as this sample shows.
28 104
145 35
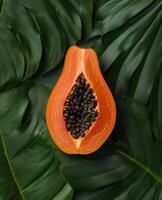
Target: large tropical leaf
29 168
132 33
39 31
34 36
130 49
141 161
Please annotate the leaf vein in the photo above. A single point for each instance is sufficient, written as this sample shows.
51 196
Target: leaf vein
10 166
157 178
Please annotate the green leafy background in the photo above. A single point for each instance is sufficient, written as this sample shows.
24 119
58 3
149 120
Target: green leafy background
127 36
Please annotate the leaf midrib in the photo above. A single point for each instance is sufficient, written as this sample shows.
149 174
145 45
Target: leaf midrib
3 5
157 178
11 169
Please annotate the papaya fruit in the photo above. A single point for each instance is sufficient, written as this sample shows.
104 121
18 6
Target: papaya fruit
81 111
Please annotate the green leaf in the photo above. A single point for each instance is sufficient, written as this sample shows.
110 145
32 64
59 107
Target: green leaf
39 32
155 106
12 63
94 171
138 152
8 188
85 9
28 155
131 40
120 13
160 104
130 51
1 3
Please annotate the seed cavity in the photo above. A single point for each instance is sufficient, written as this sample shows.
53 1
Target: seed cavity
80 109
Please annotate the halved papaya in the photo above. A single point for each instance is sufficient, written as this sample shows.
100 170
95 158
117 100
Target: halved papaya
81 111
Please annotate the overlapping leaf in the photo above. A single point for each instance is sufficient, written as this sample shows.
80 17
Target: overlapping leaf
38 30
139 154
131 48
132 40
29 169
33 38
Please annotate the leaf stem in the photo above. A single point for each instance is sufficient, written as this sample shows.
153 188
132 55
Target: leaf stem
142 166
3 6
10 166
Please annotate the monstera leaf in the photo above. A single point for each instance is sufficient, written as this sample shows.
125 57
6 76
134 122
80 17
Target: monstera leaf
32 168
136 156
127 36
